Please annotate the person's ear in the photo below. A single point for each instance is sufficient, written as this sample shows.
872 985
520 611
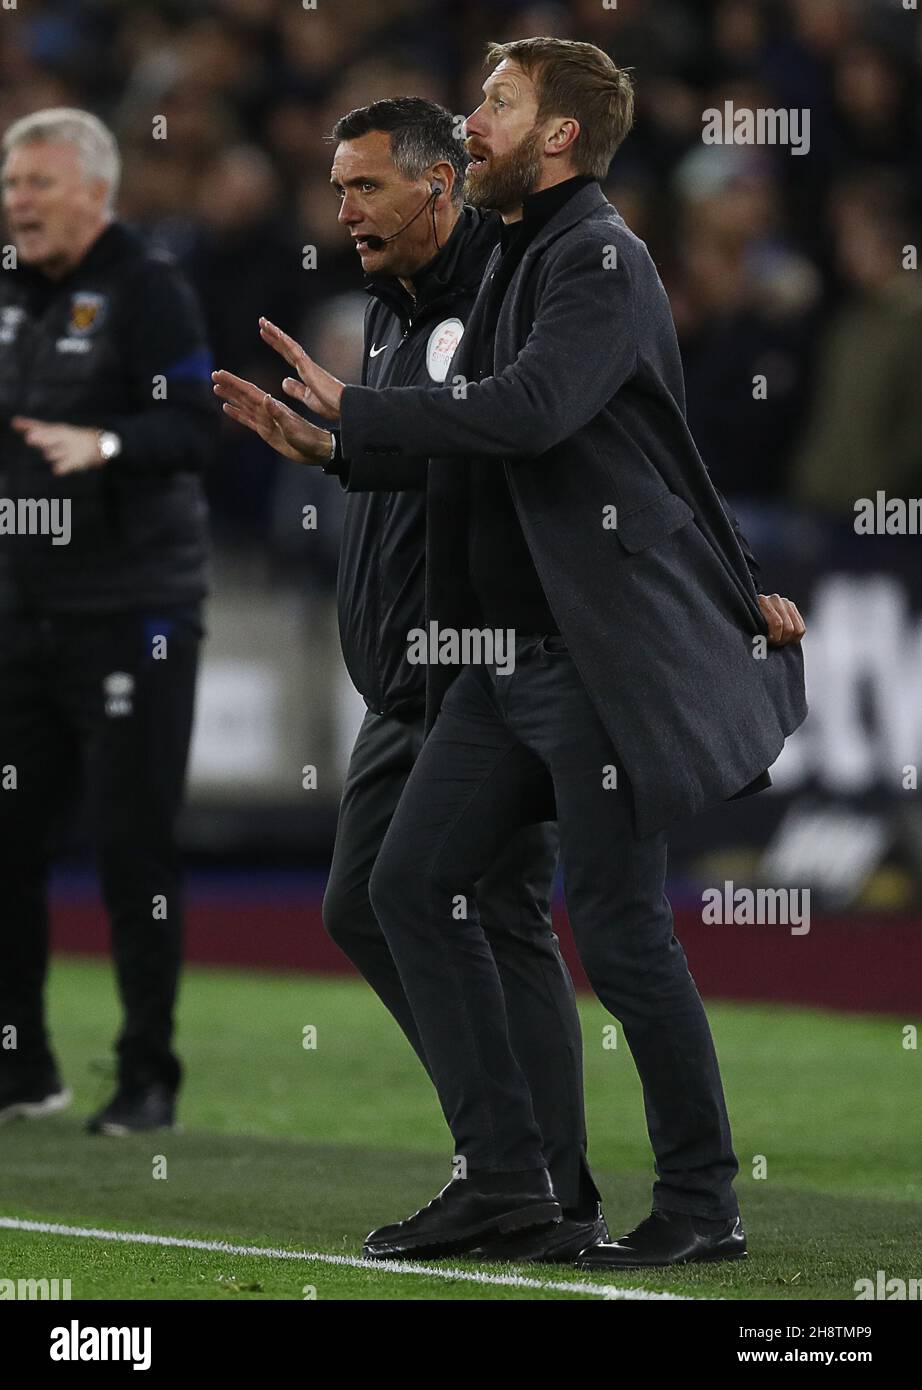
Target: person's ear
563 136
441 176
99 191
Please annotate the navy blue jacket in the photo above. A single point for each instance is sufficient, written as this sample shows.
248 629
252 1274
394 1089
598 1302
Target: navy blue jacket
118 344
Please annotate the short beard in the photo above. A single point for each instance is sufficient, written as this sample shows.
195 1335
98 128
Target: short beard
508 179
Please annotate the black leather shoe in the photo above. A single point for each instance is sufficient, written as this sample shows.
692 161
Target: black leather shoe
668 1238
132 1110
33 1097
559 1244
466 1212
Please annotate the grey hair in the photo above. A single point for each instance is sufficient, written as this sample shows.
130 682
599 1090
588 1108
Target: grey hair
94 142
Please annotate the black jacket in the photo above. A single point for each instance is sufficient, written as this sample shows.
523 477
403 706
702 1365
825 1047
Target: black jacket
382 557
117 344
641 564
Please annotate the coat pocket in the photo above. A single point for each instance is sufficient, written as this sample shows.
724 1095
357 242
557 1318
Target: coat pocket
653 521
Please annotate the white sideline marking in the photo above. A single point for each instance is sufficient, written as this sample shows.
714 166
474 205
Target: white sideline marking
517 1281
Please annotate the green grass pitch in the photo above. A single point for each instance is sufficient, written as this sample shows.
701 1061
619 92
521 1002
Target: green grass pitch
305 1149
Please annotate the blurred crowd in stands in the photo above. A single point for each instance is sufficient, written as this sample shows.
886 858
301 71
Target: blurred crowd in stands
788 267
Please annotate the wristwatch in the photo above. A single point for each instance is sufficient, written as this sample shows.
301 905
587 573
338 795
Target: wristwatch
109 445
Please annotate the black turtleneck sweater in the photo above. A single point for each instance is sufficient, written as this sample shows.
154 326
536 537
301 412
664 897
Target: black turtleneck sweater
502 572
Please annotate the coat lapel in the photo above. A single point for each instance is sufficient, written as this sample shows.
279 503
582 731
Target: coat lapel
583 203
515 316
460 364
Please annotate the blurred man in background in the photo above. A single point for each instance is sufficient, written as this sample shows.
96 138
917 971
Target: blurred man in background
865 427
107 421
398 171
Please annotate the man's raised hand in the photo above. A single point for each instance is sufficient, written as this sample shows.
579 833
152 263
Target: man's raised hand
280 427
315 388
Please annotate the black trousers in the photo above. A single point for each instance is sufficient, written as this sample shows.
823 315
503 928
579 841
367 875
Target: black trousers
513 897
495 741
86 707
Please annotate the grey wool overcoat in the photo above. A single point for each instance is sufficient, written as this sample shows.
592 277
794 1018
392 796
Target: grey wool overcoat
641 565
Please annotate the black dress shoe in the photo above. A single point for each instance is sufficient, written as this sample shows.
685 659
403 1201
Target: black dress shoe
669 1238
134 1109
466 1212
31 1097
559 1244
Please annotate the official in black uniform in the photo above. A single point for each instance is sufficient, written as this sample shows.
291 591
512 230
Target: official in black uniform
106 424
398 171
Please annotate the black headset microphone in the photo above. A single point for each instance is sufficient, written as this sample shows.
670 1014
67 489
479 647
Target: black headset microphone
377 243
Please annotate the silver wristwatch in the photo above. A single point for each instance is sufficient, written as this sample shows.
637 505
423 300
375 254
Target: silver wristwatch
109 443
